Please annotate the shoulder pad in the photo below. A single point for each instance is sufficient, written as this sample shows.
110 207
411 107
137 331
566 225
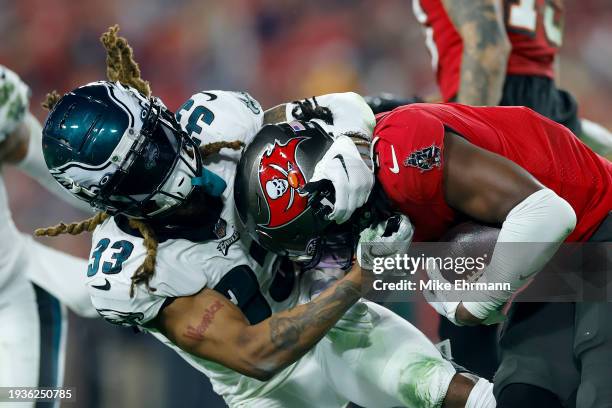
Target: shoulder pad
214 116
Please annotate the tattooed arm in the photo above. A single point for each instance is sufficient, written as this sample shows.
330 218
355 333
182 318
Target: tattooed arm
485 49
209 326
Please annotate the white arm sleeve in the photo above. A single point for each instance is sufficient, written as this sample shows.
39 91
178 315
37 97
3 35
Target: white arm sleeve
61 274
544 219
596 137
34 166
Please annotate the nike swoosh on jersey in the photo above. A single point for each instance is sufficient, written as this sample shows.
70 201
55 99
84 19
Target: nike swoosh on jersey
106 286
395 168
341 158
211 95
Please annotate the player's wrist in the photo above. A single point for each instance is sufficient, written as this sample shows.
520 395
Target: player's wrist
361 278
464 317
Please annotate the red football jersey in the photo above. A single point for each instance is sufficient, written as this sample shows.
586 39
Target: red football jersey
535 29
410 153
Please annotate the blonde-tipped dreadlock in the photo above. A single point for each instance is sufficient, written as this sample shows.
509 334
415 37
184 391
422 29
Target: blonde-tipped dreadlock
51 100
121 67
214 147
120 63
74 228
145 272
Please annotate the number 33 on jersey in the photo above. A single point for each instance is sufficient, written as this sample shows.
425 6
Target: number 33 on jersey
118 253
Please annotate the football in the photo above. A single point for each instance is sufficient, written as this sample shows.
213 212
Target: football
469 240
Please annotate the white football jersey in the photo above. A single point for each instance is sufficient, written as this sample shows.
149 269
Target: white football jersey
11 244
214 116
230 263
12 109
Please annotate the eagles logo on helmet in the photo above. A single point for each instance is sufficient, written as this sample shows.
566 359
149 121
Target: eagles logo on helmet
281 178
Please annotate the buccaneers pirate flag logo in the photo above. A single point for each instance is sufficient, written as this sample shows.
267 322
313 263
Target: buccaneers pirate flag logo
280 178
424 159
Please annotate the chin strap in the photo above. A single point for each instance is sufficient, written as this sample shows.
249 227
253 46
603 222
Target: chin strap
210 182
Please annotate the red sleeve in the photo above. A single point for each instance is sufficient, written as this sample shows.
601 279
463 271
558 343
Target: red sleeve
410 153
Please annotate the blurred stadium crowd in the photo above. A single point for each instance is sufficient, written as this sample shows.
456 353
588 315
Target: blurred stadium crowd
277 51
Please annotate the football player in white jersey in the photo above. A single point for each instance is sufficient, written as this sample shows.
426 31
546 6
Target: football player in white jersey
169 257
32 276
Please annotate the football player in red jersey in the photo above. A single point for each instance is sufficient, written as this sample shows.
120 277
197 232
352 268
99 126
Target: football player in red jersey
503 52
512 167
500 52
440 164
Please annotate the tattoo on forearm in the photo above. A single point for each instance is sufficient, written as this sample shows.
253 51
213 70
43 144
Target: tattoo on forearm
197 332
285 331
483 65
276 114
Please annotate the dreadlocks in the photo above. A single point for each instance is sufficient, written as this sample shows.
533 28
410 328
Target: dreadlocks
74 228
51 100
145 272
121 67
214 148
120 63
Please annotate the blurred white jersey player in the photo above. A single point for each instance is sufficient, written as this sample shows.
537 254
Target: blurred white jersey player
32 276
371 357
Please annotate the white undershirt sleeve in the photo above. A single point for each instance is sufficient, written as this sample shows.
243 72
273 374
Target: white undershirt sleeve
543 220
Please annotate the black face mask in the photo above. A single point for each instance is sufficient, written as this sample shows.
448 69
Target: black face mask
161 146
194 220
200 212
337 246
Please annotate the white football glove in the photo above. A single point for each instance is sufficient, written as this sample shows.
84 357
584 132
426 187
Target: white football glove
14 100
438 299
374 243
352 179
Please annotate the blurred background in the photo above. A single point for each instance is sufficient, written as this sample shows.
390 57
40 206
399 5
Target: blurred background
277 51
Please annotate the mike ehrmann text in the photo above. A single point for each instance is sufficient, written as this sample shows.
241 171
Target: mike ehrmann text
437 285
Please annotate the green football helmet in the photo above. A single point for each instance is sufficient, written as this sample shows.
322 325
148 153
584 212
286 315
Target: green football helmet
122 152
